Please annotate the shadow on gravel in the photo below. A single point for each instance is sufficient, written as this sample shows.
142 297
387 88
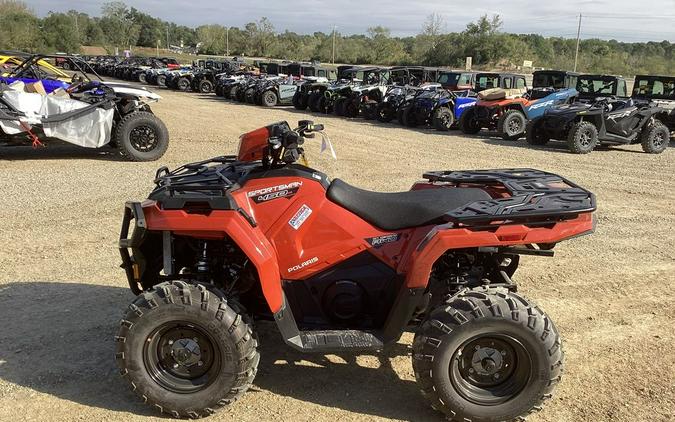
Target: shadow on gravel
57 338
313 378
57 151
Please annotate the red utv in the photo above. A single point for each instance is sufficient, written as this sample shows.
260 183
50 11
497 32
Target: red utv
226 243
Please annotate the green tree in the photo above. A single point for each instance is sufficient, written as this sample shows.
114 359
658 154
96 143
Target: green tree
19 27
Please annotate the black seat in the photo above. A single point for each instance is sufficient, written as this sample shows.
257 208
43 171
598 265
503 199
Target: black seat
400 210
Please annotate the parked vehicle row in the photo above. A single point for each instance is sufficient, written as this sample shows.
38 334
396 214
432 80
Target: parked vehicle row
556 107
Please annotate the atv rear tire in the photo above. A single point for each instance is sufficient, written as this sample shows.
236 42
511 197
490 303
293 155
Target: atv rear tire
468 123
269 98
385 113
233 93
185 350
141 136
511 125
300 101
205 87
161 80
339 107
655 138
583 138
142 78
408 117
183 84
487 354
534 134
313 102
323 105
443 119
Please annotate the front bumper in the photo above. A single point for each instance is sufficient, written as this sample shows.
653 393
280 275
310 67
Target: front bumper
132 258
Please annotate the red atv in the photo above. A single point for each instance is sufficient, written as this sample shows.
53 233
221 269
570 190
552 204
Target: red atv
228 241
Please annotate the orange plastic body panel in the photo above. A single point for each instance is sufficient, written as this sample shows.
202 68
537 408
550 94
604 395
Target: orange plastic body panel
299 233
219 225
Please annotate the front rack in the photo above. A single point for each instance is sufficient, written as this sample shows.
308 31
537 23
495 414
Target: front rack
203 181
535 196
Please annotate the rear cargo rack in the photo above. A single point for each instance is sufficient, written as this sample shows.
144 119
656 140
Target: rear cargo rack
535 196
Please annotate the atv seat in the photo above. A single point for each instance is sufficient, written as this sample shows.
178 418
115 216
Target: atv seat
400 210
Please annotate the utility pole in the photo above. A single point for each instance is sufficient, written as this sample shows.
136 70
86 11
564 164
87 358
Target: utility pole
167 38
333 55
576 54
227 41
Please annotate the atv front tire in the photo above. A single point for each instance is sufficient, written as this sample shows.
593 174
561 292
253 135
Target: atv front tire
269 99
183 84
161 80
385 113
655 138
468 123
534 134
583 138
300 101
487 354
141 136
511 125
443 119
205 87
185 350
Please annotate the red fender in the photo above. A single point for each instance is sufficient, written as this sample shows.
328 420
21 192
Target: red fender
419 262
220 225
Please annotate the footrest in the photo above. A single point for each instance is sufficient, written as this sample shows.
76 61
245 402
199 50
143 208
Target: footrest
335 340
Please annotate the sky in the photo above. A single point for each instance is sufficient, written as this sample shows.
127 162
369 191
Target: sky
624 20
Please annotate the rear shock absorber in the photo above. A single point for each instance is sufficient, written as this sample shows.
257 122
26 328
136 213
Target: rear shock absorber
202 265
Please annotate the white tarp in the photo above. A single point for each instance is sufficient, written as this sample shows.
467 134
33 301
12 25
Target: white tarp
91 130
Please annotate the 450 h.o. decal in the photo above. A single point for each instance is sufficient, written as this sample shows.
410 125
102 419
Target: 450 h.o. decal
274 192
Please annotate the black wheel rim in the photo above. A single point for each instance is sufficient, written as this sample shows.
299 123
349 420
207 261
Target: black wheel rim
585 138
490 369
659 140
143 138
514 126
446 119
181 357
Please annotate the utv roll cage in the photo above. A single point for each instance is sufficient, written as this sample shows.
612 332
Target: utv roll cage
651 87
594 86
489 80
31 65
412 75
557 79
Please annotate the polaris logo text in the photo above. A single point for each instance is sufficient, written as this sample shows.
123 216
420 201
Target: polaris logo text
274 192
303 264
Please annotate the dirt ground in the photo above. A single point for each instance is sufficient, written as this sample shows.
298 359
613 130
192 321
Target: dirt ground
62 292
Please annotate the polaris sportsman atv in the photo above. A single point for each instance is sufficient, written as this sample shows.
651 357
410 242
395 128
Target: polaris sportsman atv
224 242
608 120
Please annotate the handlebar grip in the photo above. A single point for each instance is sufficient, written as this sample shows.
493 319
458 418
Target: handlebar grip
316 128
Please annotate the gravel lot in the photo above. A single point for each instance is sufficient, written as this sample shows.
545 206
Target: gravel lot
62 292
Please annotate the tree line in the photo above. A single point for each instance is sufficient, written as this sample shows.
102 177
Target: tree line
121 26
